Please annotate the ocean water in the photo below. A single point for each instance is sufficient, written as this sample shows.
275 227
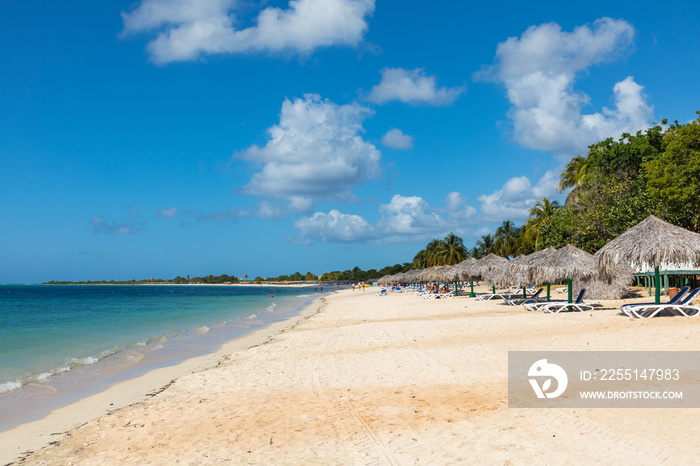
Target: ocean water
61 343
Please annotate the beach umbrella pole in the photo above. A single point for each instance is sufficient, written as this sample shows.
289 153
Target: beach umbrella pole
471 293
547 291
524 294
569 284
657 279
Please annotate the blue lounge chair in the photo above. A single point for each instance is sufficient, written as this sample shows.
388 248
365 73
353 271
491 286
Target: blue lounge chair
684 308
535 298
557 306
625 307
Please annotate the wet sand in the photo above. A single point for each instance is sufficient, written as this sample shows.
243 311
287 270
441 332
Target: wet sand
375 380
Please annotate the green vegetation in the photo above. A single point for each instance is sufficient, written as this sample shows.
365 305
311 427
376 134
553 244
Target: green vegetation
209 279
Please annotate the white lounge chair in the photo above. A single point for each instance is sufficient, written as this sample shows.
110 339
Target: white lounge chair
431 296
626 307
683 308
535 298
558 306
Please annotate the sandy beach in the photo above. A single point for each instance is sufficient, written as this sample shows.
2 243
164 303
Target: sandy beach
362 379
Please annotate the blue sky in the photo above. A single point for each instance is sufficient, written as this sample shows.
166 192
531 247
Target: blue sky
171 137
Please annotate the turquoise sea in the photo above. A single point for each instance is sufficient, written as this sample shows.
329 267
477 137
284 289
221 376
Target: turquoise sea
61 343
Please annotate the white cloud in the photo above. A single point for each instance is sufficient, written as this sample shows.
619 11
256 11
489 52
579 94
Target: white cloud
408 216
396 139
169 212
539 71
412 87
334 227
404 218
516 198
315 152
188 29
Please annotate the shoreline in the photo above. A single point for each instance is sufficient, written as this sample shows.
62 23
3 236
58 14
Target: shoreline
391 380
32 436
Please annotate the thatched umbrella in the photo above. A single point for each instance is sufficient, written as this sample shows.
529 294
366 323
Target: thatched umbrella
412 275
652 243
461 272
569 262
485 267
520 271
607 287
504 275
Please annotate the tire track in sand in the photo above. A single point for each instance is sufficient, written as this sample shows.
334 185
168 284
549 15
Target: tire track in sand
368 447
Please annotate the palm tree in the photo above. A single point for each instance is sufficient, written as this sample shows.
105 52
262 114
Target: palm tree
576 173
540 215
451 250
420 260
432 252
486 245
475 252
505 239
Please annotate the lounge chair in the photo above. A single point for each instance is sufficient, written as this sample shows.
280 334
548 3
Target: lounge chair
519 289
502 295
557 306
535 298
577 305
625 307
431 296
684 308
381 292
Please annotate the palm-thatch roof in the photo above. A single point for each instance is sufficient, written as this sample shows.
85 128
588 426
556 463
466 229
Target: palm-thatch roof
412 275
435 274
615 286
652 242
486 267
507 273
521 271
461 270
567 262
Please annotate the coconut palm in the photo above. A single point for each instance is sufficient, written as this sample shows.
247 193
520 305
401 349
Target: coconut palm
432 252
420 260
576 173
485 245
475 252
451 250
540 215
506 238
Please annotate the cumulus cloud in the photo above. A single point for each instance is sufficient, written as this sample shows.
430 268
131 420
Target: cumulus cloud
539 70
396 139
515 198
404 218
334 227
188 29
412 87
315 152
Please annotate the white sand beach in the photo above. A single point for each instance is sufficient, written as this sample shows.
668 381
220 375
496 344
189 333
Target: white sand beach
362 379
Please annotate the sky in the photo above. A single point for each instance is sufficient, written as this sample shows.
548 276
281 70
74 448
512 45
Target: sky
157 138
